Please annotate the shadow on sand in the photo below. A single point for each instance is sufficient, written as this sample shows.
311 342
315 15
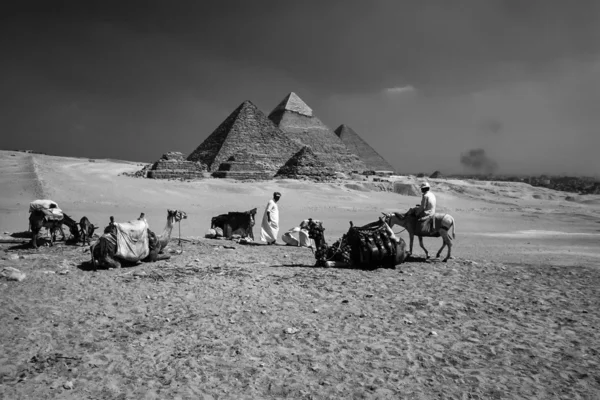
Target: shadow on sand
333 267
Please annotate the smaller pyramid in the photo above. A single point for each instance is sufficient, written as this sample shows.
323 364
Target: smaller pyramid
306 164
436 175
358 146
248 130
173 165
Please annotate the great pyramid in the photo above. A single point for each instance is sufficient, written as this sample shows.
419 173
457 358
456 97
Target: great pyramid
306 164
246 130
358 146
297 120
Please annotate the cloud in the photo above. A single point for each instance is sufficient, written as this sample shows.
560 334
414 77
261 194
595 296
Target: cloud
477 161
399 90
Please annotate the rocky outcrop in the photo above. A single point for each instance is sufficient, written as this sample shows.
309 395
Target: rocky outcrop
306 165
173 165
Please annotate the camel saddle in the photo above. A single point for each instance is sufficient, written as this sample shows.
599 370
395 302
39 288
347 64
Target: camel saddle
370 244
49 208
429 227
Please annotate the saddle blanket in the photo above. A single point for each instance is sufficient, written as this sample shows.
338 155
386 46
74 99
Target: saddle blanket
132 240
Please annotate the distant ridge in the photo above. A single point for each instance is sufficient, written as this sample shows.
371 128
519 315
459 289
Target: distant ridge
246 130
372 159
297 120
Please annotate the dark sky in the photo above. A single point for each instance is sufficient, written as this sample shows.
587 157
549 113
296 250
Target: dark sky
421 81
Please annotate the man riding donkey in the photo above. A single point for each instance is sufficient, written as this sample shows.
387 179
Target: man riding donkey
426 210
422 221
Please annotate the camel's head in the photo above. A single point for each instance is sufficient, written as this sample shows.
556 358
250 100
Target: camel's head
176 215
394 218
314 227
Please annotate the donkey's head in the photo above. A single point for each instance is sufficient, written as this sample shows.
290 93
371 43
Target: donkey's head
395 218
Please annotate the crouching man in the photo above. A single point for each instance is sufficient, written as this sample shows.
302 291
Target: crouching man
302 239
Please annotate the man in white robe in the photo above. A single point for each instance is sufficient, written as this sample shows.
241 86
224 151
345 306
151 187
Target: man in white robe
426 210
270 223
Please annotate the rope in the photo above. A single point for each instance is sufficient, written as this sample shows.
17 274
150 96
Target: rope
397 233
338 249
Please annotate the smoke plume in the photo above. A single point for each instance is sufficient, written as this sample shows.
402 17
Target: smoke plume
477 161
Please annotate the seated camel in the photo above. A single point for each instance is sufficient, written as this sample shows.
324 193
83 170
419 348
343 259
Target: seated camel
368 246
105 251
442 223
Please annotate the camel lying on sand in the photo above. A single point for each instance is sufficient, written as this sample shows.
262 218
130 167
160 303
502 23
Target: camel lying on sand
442 225
368 246
104 251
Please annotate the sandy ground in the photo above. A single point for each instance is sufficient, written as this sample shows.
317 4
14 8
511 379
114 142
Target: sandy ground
515 315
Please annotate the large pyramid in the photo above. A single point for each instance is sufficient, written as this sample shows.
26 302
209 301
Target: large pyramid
297 120
358 146
246 130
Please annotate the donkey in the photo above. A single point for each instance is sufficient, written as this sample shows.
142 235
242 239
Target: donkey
37 221
86 230
442 225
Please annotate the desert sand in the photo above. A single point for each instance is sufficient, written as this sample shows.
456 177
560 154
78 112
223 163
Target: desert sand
513 316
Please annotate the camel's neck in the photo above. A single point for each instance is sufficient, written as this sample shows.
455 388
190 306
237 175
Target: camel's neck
320 241
165 236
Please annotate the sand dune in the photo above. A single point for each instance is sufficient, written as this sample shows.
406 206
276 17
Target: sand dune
515 315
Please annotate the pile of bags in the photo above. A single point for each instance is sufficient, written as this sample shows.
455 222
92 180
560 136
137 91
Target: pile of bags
50 209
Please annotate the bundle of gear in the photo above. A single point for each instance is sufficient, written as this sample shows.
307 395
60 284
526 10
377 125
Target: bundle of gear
368 246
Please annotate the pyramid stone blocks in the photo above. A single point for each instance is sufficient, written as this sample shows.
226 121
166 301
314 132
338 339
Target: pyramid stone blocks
306 164
173 165
297 120
358 146
246 130
244 166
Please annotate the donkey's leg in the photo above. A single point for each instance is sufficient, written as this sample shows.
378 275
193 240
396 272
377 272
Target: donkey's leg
447 241
52 236
411 240
423 247
441 248
34 236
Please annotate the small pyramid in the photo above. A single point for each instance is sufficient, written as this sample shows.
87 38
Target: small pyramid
300 124
436 175
306 164
246 129
358 146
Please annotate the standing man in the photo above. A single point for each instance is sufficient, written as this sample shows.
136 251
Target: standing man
270 222
426 209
